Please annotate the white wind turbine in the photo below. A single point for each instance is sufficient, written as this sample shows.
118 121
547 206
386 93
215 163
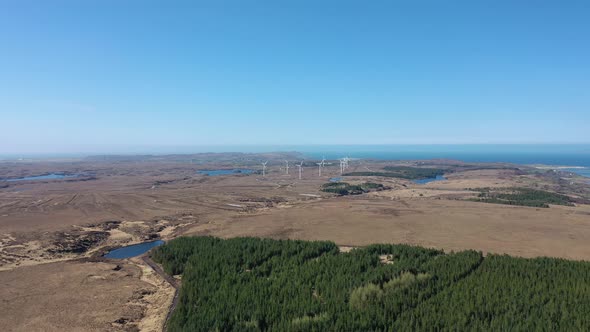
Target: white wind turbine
299 166
264 168
346 160
287 167
320 165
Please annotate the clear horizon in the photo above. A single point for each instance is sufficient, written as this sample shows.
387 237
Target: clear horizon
95 77
583 149
572 155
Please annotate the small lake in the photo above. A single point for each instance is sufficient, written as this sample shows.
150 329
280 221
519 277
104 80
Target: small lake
133 250
52 176
427 180
336 179
217 172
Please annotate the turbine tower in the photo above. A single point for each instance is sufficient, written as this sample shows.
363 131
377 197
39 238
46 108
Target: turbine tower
343 164
320 165
264 168
287 167
299 166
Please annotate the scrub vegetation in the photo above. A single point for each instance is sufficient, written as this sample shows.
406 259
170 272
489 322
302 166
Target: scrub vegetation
522 197
344 188
402 172
251 284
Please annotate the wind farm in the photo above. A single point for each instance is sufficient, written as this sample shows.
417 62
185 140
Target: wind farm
344 163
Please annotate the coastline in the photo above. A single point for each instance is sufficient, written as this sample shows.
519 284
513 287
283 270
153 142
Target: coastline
557 167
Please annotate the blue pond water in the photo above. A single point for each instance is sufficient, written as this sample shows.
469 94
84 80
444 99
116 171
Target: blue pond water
133 250
427 180
217 172
336 179
52 176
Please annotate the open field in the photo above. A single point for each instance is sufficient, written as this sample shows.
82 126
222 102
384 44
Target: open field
73 296
443 224
46 226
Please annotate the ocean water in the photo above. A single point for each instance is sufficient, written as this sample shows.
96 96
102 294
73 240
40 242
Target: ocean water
577 155
558 155
567 155
580 171
527 154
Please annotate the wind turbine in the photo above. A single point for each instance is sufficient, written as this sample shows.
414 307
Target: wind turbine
320 165
299 166
342 164
264 168
346 159
287 167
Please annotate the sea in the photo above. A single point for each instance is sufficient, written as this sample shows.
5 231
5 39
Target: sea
572 157
576 156
572 154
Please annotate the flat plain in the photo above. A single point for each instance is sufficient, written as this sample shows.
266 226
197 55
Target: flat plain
55 231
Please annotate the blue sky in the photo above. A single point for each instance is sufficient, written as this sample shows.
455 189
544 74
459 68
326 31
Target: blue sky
86 76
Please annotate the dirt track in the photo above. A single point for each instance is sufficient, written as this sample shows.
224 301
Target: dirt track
173 282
